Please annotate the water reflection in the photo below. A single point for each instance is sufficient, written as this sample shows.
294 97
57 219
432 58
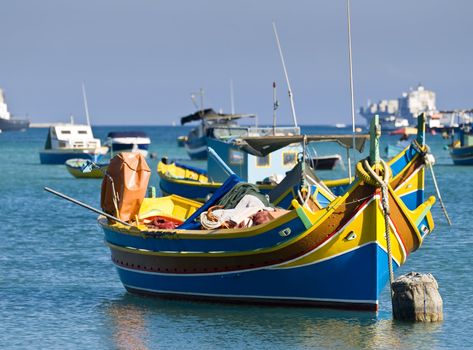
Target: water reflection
128 324
142 323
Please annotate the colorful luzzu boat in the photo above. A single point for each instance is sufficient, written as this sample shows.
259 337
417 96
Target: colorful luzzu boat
331 254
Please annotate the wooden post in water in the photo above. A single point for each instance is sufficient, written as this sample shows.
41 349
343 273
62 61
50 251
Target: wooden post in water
416 298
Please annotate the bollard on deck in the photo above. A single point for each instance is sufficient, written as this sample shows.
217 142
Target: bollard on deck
416 298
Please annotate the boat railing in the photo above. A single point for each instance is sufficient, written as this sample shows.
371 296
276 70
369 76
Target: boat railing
80 144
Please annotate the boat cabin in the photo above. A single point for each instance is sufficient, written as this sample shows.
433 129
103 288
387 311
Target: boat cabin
251 168
71 136
465 136
128 141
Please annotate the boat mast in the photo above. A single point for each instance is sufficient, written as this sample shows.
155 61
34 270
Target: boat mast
232 100
85 104
201 92
275 107
351 91
291 99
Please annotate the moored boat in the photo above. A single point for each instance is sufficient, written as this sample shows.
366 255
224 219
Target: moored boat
211 125
333 254
461 150
68 141
76 168
128 141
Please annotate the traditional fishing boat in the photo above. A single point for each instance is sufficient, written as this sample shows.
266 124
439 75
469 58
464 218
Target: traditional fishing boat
76 168
332 253
259 160
461 150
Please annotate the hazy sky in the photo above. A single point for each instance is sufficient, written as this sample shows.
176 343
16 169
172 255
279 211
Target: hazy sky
141 59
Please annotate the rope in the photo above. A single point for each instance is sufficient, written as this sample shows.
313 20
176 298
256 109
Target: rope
209 220
430 161
383 184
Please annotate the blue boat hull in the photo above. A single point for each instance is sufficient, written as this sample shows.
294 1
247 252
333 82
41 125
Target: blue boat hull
196 147
332 283
47 157
462 155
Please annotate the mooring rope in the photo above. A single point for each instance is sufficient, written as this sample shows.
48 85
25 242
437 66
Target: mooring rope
383 184
429 161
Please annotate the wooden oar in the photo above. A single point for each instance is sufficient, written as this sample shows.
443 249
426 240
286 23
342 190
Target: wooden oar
86 206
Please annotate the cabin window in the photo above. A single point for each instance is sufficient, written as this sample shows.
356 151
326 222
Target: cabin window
82 131
289 158
65 131
236 157
263 162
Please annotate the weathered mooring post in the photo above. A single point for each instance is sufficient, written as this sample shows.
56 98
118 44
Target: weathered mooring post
415 297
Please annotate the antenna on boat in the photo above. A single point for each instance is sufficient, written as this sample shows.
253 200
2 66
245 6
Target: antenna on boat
85 104
275 107
201 93
351 91
232 99
291 99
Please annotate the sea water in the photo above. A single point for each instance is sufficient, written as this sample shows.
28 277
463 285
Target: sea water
59 289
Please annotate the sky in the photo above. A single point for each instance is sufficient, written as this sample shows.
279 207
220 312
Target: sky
141 60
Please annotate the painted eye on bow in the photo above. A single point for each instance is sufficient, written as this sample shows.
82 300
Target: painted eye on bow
351 236
286 232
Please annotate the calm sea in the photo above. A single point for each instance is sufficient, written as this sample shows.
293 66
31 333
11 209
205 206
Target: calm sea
59 289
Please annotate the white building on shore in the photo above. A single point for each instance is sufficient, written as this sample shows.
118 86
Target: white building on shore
404 110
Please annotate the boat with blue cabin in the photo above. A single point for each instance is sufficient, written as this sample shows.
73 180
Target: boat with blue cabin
68 141
211 125
128 141
263 161
461 150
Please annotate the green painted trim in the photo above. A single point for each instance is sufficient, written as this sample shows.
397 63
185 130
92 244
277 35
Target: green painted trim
423 215
304 218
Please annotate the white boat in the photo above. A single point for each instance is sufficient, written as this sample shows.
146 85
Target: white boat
128 141
67 141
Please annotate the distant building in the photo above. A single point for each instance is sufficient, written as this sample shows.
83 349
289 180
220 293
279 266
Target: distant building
404 111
